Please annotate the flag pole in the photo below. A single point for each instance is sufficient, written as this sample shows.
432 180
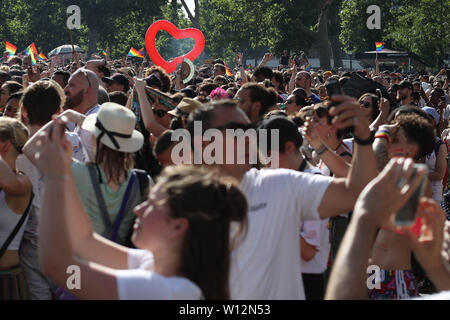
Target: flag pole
74 54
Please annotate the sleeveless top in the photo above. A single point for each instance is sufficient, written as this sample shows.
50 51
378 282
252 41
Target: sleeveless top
8 221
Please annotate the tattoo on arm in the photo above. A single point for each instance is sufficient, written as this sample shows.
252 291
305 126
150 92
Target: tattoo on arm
381 153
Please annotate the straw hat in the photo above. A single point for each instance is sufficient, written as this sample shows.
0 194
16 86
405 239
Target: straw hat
113 126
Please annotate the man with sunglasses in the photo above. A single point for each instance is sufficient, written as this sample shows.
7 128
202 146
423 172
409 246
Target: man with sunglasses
266 263
404 93
82 96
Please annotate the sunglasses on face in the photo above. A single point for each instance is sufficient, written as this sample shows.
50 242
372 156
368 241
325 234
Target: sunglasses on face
159 112
365 104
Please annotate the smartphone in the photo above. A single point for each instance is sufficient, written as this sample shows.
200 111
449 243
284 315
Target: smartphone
406 216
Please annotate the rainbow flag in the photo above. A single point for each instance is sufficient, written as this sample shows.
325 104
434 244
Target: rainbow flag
31 48
308 67
104 53
134 53
42 57
227 71
142 51
380 46
10 48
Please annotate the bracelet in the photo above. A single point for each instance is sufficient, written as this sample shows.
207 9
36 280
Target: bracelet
383 134
51 177
322 149
365 142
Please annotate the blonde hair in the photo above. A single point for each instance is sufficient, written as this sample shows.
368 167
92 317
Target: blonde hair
14 131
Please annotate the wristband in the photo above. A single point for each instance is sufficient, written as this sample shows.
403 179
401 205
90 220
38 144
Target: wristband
383 134
365 142
322 149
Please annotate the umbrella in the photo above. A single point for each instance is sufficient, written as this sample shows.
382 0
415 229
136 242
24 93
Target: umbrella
65 49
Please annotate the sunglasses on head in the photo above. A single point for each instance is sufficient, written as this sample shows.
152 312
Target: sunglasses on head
365 104
159 112
87 78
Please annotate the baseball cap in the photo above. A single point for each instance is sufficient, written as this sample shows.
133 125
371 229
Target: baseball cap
185 107
118 78
432 112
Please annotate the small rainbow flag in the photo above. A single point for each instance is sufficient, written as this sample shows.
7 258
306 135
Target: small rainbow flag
104 53
42 57
31 48
227 71
142 51
10 48
308 67
134 53
380 46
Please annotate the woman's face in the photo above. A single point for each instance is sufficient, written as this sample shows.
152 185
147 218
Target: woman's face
291 107
320 123
152 225
367 106
161 115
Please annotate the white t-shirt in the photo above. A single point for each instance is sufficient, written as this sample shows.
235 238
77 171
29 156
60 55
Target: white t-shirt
316 233
266 265
141 283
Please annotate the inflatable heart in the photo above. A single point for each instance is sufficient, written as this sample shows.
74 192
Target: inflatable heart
165 25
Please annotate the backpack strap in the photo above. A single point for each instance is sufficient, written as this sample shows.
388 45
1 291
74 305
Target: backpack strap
100 200
143 181
17 228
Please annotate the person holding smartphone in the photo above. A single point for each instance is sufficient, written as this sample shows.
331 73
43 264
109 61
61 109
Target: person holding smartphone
409 135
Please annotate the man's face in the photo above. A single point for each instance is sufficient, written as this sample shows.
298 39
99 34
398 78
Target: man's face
300 81
435 97
244 102
222 117
403 93
75 91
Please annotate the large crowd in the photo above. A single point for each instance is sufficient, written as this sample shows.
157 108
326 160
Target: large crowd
88 178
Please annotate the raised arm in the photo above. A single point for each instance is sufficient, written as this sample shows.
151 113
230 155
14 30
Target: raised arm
341 195
378 201
147 113
239 60
14 185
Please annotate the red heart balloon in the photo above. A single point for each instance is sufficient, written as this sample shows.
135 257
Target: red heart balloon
165 25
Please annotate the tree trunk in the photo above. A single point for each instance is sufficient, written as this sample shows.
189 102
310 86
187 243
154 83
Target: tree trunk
93 38
337 49
324 46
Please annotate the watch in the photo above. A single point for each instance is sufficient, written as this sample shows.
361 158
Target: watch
366 142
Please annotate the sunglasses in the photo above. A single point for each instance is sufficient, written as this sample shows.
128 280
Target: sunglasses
365 104
160 113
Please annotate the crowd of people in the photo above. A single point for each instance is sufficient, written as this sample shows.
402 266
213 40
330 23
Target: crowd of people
88 178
